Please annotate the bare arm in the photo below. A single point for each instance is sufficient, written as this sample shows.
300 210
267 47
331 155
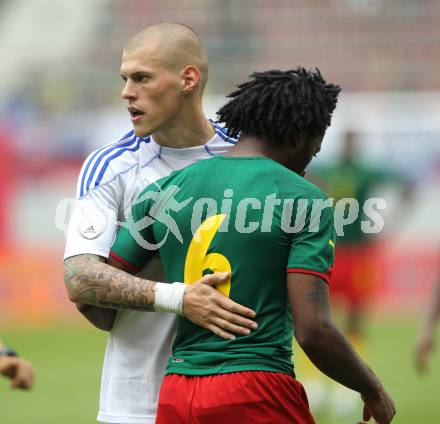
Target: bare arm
101 317
329 350
91 281
18 370
425 342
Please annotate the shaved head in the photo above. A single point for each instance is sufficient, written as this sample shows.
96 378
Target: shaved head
175 46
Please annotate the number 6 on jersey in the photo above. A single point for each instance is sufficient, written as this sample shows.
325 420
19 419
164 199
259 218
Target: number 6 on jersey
197 261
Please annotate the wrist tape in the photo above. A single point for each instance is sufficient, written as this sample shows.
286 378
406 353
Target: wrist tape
169 297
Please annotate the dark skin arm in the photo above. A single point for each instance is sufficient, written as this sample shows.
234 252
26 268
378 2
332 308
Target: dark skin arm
90 281
329 350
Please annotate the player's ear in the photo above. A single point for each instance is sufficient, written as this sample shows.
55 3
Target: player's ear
190 79
301 142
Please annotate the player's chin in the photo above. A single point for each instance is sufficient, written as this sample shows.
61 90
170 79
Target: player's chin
141 130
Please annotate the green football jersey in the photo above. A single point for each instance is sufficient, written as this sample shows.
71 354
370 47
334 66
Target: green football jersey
247 215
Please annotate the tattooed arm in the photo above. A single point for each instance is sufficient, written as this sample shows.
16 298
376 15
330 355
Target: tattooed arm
93 286
102 317
90 281
329 350
99 316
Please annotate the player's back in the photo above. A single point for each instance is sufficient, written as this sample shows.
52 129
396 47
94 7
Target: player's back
243 215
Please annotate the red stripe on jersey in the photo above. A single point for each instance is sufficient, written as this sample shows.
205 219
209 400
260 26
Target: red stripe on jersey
124 262
326 276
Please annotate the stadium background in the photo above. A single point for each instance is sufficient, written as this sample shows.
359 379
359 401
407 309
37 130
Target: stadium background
59 99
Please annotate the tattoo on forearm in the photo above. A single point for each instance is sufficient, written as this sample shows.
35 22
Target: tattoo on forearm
96 283
319 293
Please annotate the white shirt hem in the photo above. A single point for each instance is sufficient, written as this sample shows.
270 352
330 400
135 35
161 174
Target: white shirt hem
126 419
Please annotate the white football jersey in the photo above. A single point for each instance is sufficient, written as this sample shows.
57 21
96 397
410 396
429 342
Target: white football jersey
140 342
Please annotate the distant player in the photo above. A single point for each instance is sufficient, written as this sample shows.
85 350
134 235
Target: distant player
357 271
425 342
355 276
251 214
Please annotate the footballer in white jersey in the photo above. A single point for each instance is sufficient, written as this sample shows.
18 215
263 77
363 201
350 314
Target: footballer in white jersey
140 342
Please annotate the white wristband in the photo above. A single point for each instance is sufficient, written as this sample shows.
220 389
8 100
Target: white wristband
169 297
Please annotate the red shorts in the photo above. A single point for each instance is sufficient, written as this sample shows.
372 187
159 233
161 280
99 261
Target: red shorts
248 397
356 274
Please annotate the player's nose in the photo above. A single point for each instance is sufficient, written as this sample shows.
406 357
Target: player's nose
128 92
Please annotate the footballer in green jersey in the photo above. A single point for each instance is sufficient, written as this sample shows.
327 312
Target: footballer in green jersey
251 214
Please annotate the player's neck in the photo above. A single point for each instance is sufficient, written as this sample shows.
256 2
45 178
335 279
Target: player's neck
249 146
188 130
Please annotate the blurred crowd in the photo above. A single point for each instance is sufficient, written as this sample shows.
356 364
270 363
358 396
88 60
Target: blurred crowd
63 57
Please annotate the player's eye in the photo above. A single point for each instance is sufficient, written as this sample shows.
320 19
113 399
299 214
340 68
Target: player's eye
141 78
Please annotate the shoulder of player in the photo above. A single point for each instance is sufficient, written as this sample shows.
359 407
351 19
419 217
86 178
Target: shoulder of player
172 179
162 189
172 183
106 163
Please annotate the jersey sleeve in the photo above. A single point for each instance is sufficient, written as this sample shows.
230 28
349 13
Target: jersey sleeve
135 245
312 247
93 223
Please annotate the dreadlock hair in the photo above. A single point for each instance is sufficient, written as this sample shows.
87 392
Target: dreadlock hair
277 105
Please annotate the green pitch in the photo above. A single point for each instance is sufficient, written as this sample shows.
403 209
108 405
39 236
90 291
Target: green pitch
68 362
389 351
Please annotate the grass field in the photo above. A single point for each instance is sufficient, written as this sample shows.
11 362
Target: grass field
68 361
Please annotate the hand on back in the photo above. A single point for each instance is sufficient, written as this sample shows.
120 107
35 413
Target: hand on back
205 306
